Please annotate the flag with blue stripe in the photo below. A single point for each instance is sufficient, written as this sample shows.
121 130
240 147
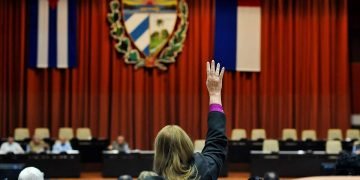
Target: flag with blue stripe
237 34
52 33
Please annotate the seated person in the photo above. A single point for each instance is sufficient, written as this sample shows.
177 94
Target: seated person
120 144
11 147
61 146
347 164
37 145
356 148
125 177
146 175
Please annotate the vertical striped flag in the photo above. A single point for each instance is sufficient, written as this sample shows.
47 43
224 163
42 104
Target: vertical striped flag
52 33
238 34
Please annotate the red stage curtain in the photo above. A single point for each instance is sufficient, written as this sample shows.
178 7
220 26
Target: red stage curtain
304 79
303 84
355 87
12 66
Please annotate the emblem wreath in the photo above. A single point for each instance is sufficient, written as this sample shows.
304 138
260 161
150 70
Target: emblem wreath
132 55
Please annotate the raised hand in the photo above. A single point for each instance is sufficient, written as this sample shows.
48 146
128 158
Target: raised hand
214 81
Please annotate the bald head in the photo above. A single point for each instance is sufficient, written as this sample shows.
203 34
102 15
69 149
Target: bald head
31 173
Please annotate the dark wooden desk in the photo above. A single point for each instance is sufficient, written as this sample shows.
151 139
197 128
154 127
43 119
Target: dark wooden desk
90 150
290 164
53 165
239 151
10 171
117 164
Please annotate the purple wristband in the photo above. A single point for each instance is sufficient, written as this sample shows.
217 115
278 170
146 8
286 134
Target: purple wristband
216 107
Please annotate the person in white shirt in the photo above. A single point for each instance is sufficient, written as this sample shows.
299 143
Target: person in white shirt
62 145
31 173
11 147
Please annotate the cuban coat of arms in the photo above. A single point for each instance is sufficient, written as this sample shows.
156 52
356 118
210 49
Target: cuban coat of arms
148 33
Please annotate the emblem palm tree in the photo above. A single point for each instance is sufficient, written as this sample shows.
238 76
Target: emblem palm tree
159 23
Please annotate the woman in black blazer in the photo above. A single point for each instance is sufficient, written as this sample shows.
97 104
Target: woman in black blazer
174 150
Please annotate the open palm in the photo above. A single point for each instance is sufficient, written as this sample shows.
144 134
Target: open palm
214 78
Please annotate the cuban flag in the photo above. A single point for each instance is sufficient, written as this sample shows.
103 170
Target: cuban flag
52 33
238 34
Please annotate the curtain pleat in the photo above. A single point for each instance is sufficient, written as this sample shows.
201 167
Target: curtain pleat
303 83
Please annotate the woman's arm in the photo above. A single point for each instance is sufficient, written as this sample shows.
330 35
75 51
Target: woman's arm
214 82
216 140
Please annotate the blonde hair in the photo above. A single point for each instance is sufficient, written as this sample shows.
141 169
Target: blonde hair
173 154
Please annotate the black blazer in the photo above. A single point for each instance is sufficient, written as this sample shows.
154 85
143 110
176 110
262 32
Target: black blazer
211 159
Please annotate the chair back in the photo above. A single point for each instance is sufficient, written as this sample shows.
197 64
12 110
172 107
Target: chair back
257 134
352 134
270 145
238 134
333 147
66 132
334 134
289 134
83 134
42 133
21 134
308 135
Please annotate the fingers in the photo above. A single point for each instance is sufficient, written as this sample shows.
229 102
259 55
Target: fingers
207 68
222 73
217 69
212 67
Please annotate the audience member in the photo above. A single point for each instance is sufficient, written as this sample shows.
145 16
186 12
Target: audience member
356 148
125 177
347 164
31 173
146 174
271 176
154 178
174 157
61 146
37 145
120 144
10 146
